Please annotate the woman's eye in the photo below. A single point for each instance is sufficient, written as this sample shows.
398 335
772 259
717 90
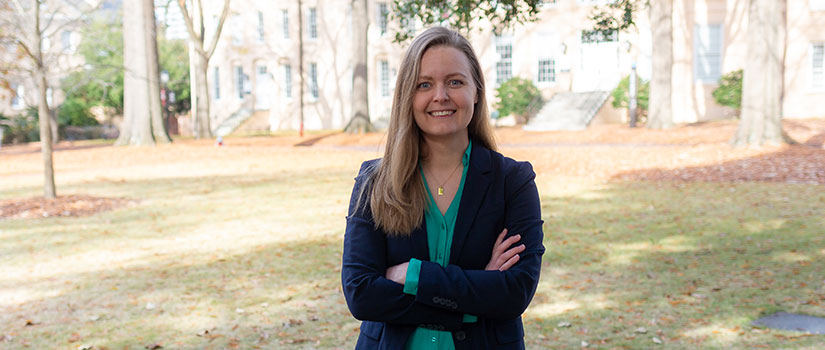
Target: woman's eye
423 85
455 82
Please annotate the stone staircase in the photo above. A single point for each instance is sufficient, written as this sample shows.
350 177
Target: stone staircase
568 111
228 125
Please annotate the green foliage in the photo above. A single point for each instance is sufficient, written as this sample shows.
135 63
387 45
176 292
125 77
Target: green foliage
75 112
519 97
174 58
20 128
100 83
460 14
729 92
621 94
101 80
615 16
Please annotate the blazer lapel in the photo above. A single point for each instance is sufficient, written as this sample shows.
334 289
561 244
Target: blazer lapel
475 188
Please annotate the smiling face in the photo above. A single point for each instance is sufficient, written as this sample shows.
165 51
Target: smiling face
445 94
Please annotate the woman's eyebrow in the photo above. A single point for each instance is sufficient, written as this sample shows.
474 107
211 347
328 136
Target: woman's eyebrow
427 77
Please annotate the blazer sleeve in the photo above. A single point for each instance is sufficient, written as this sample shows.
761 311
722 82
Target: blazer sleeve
494 294
369 295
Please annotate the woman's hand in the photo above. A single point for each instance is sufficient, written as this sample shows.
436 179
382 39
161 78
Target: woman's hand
503 258
398 273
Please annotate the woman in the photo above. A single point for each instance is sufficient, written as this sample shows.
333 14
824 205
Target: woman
443 242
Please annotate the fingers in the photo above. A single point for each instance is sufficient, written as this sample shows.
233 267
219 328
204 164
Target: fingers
500 237
504 255
506 258
512 261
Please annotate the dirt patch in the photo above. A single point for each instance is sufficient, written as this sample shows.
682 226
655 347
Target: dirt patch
67 206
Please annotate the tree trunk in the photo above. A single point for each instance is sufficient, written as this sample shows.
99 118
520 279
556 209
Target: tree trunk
762 81
301 68
45 135
153 71
660 114
202 122
199 61
44 118
360 119
54 126
136 128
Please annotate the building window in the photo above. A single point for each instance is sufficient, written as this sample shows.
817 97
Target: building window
595 37
260 26
817 5
216 82
312 23
384 73
504 66
547 3
818 66
547 70
382 17
239 81
288 80
707 48
313 80
285 22
18 95
66 41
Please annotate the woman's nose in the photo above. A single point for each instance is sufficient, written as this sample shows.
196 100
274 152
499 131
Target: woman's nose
440 93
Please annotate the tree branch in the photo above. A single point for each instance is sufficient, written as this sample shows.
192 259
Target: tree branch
217 33
190 27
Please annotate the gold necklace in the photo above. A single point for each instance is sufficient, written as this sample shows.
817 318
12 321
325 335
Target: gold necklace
441 186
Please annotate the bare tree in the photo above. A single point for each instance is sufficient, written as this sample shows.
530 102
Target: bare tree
142 119
360 120
619 16
200 57
25 26
660 115
762 83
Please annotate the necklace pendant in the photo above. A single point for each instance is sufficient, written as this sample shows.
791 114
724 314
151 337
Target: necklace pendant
440 191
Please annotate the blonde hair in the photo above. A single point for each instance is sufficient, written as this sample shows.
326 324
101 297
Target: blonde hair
398 197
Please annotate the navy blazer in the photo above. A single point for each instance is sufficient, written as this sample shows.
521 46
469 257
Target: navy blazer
498 193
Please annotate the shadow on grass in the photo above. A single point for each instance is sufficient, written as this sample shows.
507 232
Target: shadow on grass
255 261
242 261
691 263
268 296
803 163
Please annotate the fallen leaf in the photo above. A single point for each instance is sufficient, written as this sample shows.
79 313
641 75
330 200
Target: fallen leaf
656 340
641 330
563 324
153 346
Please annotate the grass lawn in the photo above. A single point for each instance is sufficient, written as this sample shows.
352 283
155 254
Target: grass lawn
240 246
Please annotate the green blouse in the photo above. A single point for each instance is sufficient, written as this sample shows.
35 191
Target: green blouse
439 239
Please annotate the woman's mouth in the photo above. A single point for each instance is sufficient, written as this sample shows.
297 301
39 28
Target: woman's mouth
441 114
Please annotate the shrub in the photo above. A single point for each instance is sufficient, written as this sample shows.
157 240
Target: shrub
519 97
729 92
20 128
621 94
73 112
